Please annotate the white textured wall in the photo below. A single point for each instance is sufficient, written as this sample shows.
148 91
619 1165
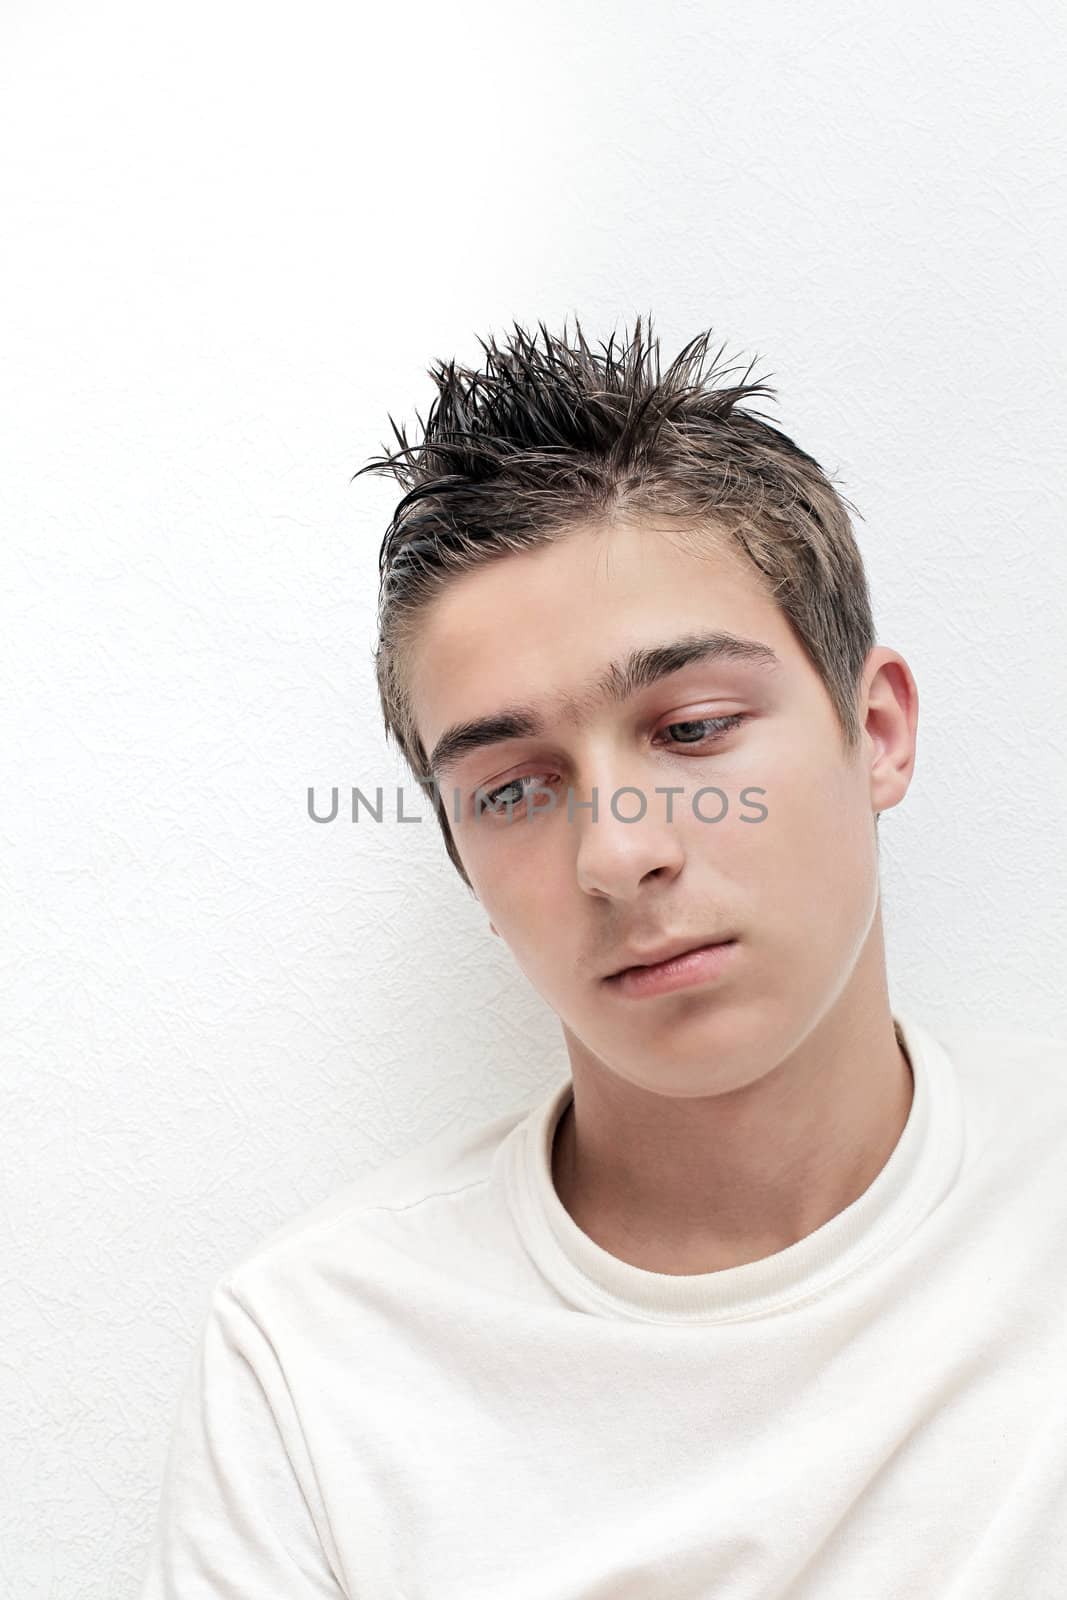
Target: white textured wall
234 237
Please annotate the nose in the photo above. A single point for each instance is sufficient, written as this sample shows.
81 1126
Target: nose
626 839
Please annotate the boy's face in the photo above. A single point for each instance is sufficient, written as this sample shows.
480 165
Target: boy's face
572 896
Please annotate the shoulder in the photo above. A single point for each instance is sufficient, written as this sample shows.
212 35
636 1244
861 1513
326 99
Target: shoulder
1002 1048
342 1226
1013 1084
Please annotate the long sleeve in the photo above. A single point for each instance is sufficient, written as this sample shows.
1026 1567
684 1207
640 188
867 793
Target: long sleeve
239 1516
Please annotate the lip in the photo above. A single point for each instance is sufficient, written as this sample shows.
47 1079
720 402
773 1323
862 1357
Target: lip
682 970
655 955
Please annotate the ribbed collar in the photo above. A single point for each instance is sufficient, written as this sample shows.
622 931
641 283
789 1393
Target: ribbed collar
919 1172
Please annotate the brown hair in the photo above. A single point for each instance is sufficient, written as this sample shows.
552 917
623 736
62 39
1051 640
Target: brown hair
549 434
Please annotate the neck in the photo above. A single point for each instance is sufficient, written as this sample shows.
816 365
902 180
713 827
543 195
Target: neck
684 1185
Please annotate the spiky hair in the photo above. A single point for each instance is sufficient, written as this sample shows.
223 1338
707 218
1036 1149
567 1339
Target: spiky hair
549 433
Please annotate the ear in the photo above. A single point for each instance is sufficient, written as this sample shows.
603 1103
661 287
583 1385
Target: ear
892 715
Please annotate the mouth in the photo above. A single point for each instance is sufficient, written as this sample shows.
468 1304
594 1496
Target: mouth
684 969
668 953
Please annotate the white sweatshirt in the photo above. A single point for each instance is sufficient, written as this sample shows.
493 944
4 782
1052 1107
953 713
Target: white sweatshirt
434 1386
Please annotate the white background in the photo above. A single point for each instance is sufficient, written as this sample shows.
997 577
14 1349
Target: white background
235 237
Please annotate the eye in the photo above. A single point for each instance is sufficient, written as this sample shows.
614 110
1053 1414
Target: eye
692 729
509 796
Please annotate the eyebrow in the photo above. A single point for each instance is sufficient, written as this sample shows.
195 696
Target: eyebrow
621 679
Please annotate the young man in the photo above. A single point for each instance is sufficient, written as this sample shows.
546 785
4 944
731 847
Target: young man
768 1296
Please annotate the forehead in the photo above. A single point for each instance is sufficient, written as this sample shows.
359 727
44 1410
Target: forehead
541 626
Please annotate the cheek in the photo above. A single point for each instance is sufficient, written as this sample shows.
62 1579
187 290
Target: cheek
815 843
528 905
833 853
